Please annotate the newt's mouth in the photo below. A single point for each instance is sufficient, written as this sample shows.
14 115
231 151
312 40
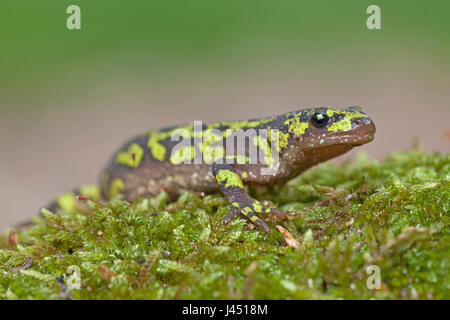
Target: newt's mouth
362 133
350 140
360 140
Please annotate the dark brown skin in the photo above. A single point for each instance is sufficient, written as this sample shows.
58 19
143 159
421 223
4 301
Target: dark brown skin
149 163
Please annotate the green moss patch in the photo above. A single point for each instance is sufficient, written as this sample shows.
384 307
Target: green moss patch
393 215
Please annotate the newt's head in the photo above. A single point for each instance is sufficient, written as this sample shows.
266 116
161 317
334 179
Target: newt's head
324 132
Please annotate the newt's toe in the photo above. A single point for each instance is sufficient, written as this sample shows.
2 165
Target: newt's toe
231 214
260 223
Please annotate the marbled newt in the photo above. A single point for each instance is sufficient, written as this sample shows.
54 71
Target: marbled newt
226 156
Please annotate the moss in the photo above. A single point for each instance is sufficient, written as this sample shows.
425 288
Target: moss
393 214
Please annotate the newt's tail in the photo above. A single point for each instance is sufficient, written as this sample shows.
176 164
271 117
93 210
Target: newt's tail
68 201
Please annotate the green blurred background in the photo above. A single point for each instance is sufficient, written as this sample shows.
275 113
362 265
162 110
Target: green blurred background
69 98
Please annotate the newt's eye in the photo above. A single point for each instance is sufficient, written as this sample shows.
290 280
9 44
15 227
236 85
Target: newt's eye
320 120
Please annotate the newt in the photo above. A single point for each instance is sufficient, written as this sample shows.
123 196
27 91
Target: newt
226 156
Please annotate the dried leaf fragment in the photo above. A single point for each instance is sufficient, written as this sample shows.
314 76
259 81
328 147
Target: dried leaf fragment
13 240
290 240
106 272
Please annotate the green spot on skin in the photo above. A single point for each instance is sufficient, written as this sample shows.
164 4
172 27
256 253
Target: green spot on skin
263 144
213 154
347 114
295 125
182 155
126 157
301 127
235 204
257 206
117 185
344 124
279 138
67 201
91 191
246 211
230 178
212 125
157 149
211 151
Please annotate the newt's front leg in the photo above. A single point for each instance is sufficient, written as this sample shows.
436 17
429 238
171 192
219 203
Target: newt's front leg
232 188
